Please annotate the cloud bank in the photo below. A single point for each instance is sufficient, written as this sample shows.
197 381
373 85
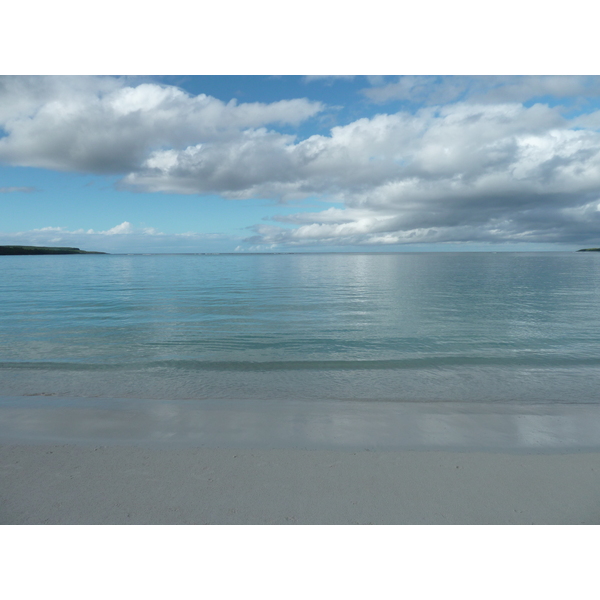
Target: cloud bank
122 238
476 163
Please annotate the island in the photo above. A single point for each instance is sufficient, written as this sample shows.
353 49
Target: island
20 250
589 250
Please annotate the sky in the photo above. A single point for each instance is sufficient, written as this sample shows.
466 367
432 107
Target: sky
299 163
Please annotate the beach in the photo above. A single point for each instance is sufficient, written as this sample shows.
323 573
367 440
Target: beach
391 388
67 484
195 468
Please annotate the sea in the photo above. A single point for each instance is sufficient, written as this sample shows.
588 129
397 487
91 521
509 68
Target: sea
466 328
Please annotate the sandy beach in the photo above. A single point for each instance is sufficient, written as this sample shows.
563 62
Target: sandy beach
48 484
83 461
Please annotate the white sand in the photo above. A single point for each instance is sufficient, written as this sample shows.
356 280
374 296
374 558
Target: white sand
119 485
78 461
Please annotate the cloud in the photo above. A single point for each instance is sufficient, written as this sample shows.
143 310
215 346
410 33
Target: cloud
106 125
522 89
463 141
257 163
491 173
10 190
123 238
431 90
472 164
122 229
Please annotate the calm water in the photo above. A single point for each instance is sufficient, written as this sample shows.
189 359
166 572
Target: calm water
465 327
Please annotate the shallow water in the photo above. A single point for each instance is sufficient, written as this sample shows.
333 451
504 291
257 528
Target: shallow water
410 327
322 424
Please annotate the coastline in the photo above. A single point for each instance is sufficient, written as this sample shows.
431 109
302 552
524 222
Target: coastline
87 461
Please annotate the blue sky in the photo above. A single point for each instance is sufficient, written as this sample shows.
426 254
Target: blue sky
300 163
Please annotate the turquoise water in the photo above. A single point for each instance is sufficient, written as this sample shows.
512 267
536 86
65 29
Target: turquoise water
409 327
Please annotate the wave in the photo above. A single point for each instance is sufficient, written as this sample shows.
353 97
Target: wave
428 362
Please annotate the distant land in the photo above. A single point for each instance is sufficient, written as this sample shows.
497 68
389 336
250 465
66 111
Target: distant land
589 250
42 250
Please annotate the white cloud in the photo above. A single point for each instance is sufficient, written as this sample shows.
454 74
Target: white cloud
452 173
487 173
122 229
465 141
491 170
104 125
123 238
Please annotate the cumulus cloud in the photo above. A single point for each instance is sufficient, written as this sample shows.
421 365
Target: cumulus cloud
250 165
359 158
122 229
485 168
463 171
105 125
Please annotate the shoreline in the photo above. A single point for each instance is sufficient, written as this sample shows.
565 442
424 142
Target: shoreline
115 461
303 424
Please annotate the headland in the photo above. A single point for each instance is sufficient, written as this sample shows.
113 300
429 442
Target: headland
24 250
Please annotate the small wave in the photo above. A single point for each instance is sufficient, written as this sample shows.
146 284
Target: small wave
442 362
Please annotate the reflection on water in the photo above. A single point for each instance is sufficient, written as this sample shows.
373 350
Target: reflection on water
507 327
